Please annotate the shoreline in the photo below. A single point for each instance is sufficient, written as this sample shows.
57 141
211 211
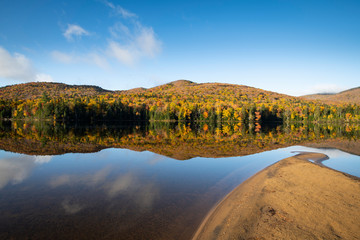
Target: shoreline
290 199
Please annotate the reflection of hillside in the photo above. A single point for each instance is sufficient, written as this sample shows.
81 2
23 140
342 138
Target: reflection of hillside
179 141
36 147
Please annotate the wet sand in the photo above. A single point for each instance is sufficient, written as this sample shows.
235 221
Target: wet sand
291 199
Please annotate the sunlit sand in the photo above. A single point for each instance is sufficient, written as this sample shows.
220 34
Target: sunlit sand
292 199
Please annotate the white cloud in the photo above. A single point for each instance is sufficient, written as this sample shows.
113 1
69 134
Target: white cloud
125 54
124 13
92 58
147 42
119 10
132 44
98 60
16 66
128 42
120 31
74 30
42 77
19 67
62 57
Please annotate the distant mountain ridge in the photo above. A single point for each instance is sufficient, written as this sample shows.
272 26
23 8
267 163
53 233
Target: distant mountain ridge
35 90
186 87
351 96
180 100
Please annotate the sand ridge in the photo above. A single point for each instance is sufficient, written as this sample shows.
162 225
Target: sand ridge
291 199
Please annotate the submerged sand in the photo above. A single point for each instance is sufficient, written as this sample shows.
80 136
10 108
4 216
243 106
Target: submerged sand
292 199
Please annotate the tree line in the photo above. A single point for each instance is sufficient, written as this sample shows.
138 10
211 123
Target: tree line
174 107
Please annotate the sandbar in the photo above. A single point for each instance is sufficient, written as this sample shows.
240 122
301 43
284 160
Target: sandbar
291 199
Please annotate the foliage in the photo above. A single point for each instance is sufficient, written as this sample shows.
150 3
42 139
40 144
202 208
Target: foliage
176 140
176 101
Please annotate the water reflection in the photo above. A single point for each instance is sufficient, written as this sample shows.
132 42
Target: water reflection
337 159
15 169
116 193
119 193
106 182
180 141
311 157
71 207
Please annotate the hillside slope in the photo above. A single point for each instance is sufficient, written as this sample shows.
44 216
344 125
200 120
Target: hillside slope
351 96
180 100
35 90
189 88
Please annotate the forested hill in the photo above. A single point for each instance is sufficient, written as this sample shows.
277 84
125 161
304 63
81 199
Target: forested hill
35 90
203 90
351 96
180 100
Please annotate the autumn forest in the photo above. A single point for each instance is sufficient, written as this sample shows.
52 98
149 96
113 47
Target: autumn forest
177 101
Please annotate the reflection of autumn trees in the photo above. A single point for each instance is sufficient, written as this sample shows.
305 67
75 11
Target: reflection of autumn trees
177 140
181 101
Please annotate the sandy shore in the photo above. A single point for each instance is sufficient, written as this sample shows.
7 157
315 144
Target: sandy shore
292 199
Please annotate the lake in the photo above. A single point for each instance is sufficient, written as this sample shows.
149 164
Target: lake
141 182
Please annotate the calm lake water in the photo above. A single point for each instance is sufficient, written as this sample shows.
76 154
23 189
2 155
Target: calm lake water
124 194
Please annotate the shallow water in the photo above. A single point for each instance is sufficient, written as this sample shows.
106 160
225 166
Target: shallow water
338 160
123 194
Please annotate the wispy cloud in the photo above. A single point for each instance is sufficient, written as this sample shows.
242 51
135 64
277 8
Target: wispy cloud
90 58
128 42
42 77
123 53
74 30
98 60
16 66
120 10
62 57
147 42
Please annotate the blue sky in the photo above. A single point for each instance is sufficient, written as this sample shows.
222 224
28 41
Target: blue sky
287 46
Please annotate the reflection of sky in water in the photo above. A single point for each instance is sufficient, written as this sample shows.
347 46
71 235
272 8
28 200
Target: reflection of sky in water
15 168
130 186
95 168
118 170
339 160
